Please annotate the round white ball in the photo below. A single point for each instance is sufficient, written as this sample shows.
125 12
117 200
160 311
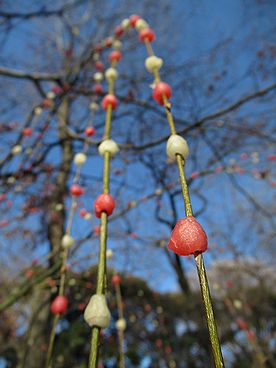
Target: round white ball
125 23
98 77
177 144
16 150
67 241
117 44
109 253
121 324
110 146
80 159
141 24
153 63
111 74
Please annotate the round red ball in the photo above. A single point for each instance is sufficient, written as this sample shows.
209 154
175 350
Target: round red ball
89 131
108 42
59 305
133 19
27 132
116 280
104 203
99 66
76 190
109 100
147 35
118 31
115 56
98 89
160 90
188 238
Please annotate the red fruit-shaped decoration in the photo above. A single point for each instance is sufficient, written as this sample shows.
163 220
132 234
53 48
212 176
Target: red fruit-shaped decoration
188 238
104 203
98 88
59 305
108 42
109 100
89 131
115 56
133 19
118 31
99 66
116 280
76 190
27 132
147 35
160 90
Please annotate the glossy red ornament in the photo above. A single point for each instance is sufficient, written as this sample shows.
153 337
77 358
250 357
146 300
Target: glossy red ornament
89 131
98 88
116 280
27 132
115 56
188 238
99 66
104 203
109 100
147 35
118 31
59 305
161 89
133 19
76 190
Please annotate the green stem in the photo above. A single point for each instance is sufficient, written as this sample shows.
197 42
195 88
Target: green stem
51 341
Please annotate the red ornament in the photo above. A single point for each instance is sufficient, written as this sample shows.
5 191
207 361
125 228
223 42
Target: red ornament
104 203
59 305
89 131
133 19
242 324
99 66
27 132
118 31
108 42
160 90
46 103
116 280
188 238
98 47
147 35
83 212
57 90
115 56
109 100
98 89
76 190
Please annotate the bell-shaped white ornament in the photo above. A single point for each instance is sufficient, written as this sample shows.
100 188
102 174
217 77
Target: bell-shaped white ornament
108 145
141 24
97 313
153 63
121 324
111 74
177 144
98 77
67 241
80 159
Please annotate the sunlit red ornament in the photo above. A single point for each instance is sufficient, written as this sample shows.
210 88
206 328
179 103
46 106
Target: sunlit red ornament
76 190
115 56
146 35
99 66
133 19
59 305
160 90
109 100
116 280
98 89
188 238
119 31
89 131
104 203
27 132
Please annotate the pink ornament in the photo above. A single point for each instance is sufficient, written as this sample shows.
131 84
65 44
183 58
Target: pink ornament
104 203
116 280
109 100
108 42
242 324
188 238
59 305
160 90
147 35
83 212
118 31
115 56
27 132
133 19
57 90
76 190
99 66
89 131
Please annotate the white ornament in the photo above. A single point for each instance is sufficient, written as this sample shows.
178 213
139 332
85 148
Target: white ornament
96 56
16 150
109 253
177 144
141 24
94 106
153 63
117 44
51 95
97 313
98 77
125 23
110 146
38 110
67 241
87 216
121 324
80 159
111 74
